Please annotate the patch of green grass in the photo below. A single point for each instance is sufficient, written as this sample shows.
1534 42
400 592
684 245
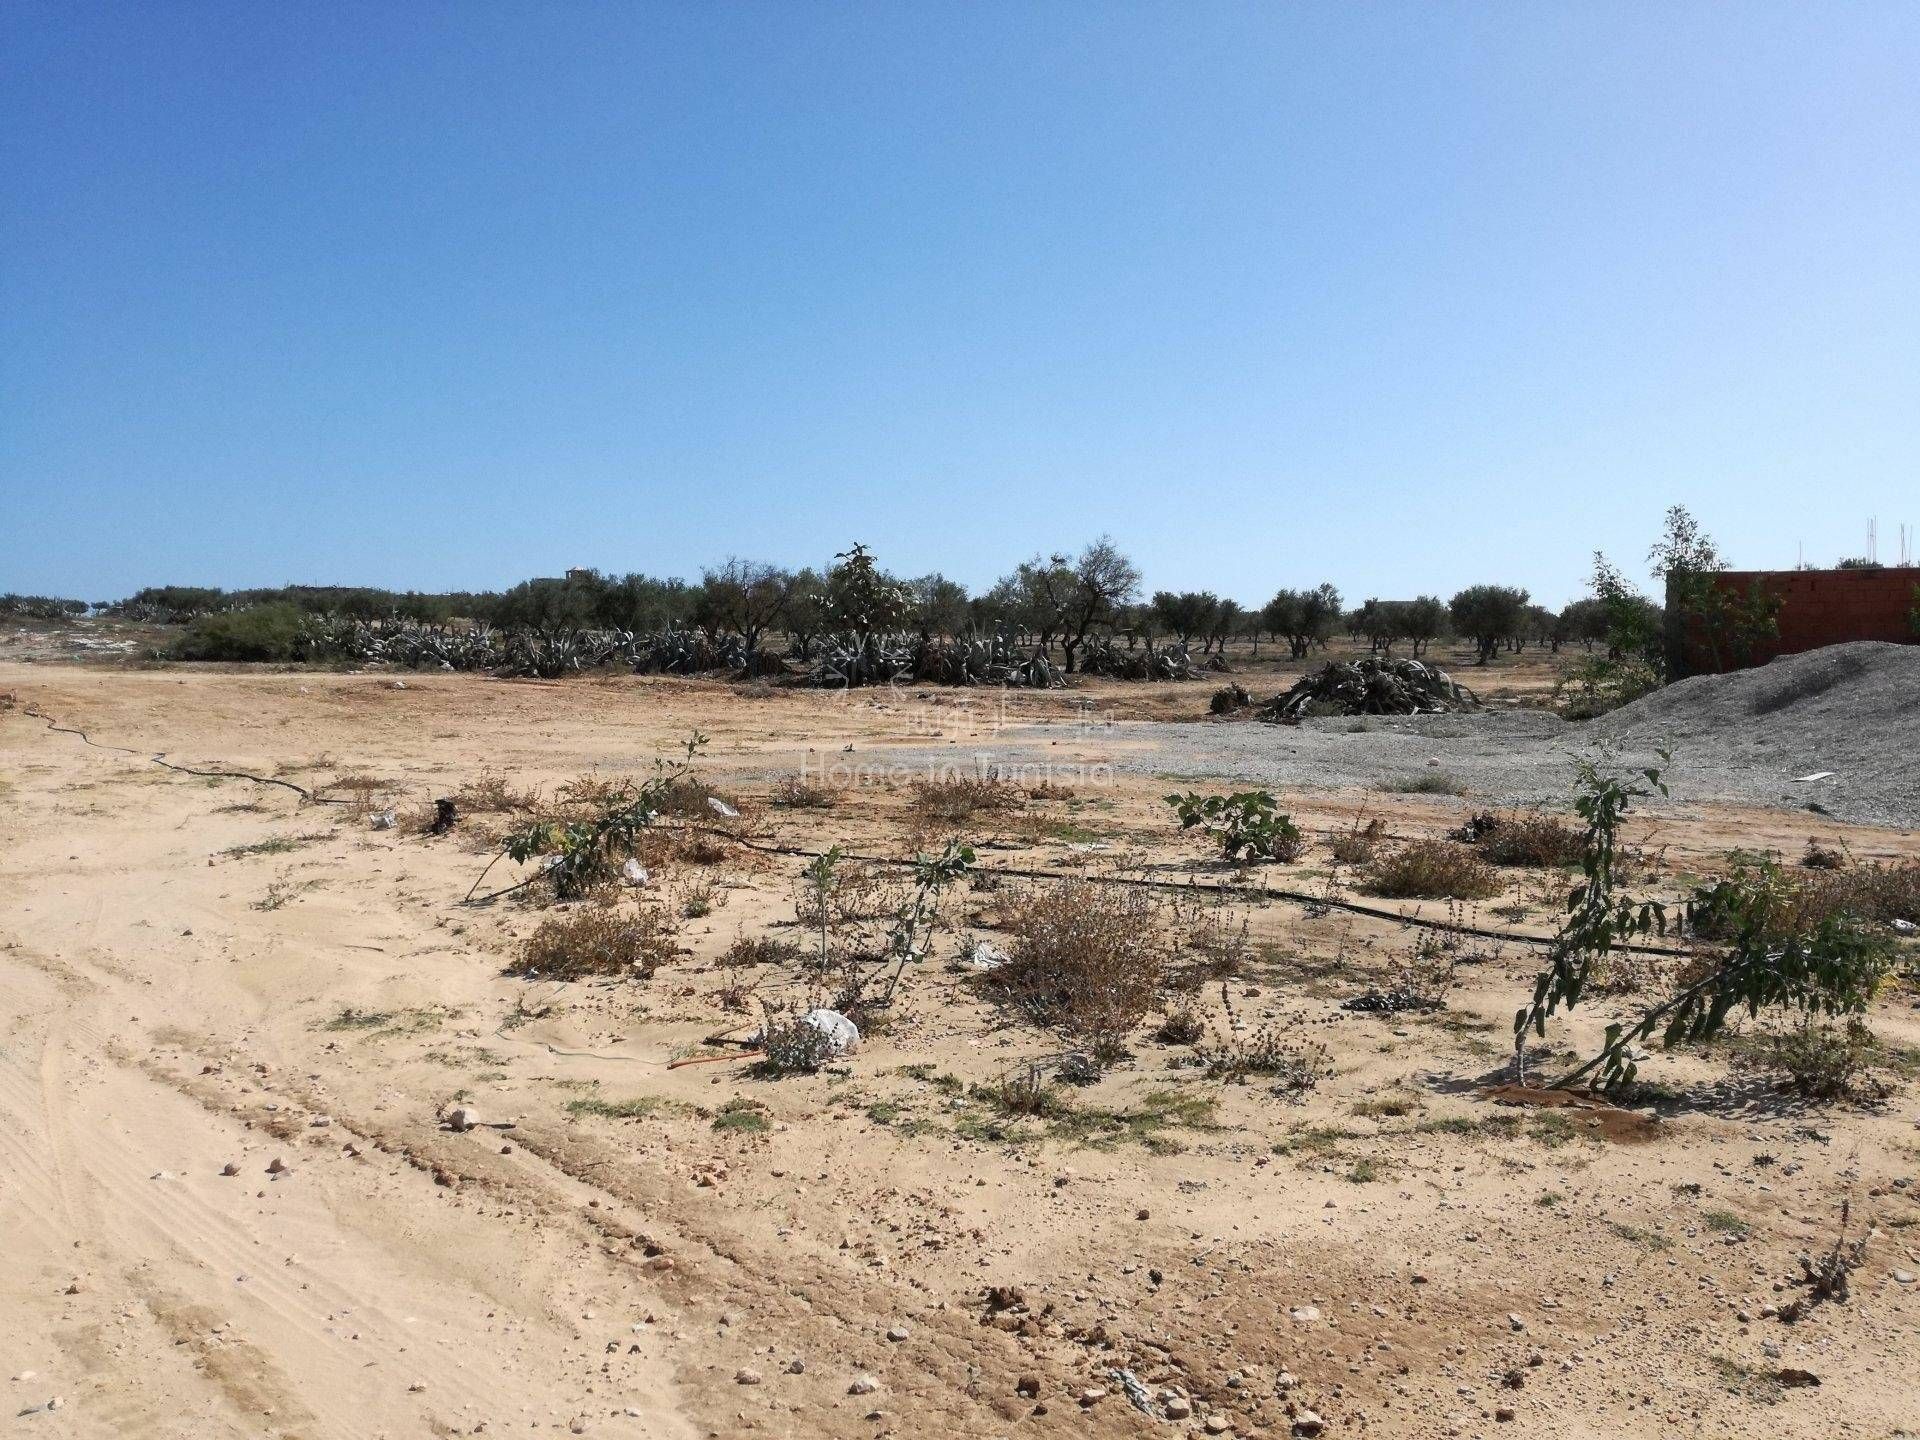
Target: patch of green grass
1548 1199
1320 1140
1365 1171
1745 1381
1068 832
277 845
747 1117
1553 1128
1725 1222
352 1019
1157 1112
928 1075
603 1109
1652 1239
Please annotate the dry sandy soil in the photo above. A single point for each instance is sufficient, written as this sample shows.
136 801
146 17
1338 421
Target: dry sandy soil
201 972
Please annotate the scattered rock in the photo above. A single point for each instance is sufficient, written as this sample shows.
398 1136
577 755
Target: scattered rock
745 1376
863 1385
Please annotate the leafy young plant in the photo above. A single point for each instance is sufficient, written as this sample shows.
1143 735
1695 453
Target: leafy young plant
1247 824
583 854
1831 967
1597 916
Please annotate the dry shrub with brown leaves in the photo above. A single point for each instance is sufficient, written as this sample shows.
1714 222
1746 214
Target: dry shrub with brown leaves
854 893
1432 870
796 792
1802 899
1530 839
955 798
750 950
1820 1060
599 940
1358 845
1086 959
489 793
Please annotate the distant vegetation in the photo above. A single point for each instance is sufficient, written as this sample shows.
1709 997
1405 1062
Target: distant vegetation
854 623
40 607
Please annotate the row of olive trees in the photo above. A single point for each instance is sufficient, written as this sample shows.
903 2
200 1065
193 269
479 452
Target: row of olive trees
1059 602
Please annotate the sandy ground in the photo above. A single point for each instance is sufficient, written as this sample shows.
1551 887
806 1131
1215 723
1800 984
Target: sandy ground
196 973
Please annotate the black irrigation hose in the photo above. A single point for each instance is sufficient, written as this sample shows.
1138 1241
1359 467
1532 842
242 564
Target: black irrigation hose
1269 892
155 759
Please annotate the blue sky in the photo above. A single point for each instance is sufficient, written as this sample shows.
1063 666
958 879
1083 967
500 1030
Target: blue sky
1401 296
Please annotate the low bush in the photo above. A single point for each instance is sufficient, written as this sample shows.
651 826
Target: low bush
1277 1051
1086 959
1432 870
1358 845
1823 1061
796 792
954 799
1800 900
264 633
598 940
1248 825
1531 839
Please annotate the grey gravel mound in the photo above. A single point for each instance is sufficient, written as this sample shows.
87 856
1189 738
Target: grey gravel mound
1748 737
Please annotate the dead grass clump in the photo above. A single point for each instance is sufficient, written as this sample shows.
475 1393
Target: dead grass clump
1181 1027
1211 940
1432 870
1823 857
1533 840
1800 900
491 794
704 850
1821 1061
1276 1050
1025 1092
1086 959
796 792
954 799
851 894
1359 845
748 951
1883 892
598 940
366 795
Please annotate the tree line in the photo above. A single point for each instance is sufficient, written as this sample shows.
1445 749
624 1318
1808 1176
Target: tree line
1055 603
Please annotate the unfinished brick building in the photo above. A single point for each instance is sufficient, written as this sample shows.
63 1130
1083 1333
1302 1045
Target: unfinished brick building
1817 607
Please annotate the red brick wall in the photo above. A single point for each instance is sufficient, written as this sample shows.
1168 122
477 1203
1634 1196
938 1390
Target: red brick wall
1826 607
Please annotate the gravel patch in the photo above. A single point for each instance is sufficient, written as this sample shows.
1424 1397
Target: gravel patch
1746 738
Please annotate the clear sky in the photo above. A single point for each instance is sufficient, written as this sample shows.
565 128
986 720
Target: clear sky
444 295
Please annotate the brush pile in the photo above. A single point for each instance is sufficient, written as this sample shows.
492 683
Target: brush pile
879 659
1116 662
1374 685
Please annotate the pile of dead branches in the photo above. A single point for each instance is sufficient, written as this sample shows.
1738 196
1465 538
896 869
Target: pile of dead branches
1169 662
1374 685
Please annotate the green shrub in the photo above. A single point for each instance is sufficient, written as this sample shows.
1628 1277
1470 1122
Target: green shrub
263 633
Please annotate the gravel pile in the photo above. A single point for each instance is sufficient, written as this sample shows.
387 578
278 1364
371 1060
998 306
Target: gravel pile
1747 737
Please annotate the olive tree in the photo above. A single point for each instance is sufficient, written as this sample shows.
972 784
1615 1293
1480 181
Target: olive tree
1489 614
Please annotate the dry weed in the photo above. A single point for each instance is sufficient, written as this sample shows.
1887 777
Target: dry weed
599 940
1086 959
1432 870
